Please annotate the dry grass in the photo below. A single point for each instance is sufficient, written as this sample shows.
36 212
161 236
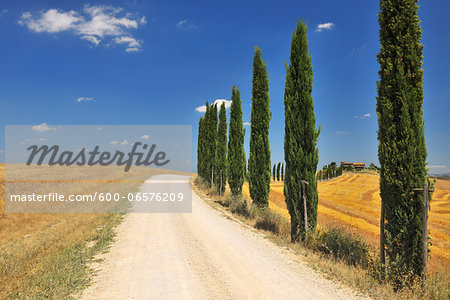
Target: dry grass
358 272
45 255
352 201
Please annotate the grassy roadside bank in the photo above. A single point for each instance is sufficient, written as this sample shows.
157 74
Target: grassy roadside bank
53 262
44 255
341 256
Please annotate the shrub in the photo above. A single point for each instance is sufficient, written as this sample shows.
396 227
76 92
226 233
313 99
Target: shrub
267 220
344 245
239 205
200 183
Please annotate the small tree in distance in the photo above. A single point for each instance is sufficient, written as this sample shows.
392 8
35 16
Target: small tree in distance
278 171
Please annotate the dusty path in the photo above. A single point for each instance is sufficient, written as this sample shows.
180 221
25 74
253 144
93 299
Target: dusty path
201 255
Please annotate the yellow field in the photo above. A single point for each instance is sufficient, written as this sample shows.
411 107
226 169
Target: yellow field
353 201
29 240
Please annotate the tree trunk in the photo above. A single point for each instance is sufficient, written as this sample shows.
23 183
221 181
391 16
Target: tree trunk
382 258
295 232
425 232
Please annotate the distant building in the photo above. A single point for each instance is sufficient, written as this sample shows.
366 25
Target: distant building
346 164
359 166
350 165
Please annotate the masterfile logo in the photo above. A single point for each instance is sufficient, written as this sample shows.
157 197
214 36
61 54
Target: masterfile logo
91 158
114 168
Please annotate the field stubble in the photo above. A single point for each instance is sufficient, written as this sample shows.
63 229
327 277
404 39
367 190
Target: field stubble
352 201
44 255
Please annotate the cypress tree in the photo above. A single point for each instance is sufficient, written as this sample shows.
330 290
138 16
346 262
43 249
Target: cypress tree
236 152
221 150
244 160
274 172
282 172
259 160
300 141
278 171
401 151
201 148
210 141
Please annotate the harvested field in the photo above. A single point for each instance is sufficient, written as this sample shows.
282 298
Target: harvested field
353 201
38 251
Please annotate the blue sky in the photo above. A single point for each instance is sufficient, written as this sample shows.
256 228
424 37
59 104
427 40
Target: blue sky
155 62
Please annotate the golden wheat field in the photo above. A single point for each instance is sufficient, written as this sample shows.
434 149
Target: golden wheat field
353 201
28 240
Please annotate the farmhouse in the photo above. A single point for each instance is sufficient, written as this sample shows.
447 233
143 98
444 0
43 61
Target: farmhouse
359 166
356 166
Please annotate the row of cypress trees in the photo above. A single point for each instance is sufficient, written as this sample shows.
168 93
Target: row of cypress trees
278 172
207 144
213 154
328 173
401 151
220 160
301 153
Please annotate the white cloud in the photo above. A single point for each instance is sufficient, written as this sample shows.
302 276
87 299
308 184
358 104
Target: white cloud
364 116
439 169
185 25
84 99
93 24
3 12
324 26
439 166
145 137
201 108
91 39
132 42
181 22
53 20
124 142
247 124
114 142
42 128
357 50
342 132
219 102
132 49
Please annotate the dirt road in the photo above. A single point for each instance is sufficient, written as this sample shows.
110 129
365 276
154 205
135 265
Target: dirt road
202 255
